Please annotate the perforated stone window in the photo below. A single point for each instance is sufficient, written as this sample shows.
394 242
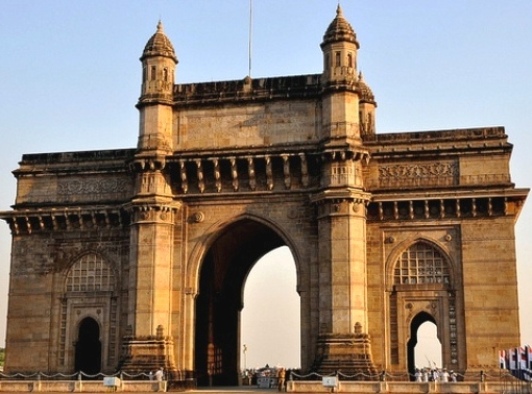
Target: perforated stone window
90 273
421 263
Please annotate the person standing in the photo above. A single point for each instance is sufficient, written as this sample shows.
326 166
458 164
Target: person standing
281 375
444 376
159 375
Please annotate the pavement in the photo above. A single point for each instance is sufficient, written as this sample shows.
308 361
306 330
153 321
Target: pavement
228 390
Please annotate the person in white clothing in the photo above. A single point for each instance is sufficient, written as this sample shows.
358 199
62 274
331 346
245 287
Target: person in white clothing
159 375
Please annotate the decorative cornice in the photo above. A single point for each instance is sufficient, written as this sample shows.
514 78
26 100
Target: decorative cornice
466 207
28 221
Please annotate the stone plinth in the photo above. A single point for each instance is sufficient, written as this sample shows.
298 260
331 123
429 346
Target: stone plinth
348 353
142 355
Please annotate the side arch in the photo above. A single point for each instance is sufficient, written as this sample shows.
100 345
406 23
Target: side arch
414 324
421 283
89 286
407 244
88 347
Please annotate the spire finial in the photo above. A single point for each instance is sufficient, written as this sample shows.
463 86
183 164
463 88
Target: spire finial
339 11
160 26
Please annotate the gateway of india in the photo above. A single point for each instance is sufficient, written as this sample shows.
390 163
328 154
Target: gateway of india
135 259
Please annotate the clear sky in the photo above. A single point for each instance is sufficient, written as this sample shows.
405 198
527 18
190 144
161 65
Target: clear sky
71 78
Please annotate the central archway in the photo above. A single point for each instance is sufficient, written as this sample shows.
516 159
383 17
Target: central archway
220 298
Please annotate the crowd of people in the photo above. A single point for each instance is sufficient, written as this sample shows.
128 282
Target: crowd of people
435 375
267 377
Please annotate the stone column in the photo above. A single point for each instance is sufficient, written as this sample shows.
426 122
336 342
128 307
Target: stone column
343 344
149 345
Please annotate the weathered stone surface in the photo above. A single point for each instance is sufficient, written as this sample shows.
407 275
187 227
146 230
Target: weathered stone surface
150 247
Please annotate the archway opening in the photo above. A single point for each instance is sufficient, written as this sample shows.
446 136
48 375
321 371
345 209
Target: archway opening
428 350
218 350
88 357
421 348
271 322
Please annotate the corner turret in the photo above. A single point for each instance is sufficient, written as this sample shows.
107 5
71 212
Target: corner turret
155 103
339 48
158 68
346 91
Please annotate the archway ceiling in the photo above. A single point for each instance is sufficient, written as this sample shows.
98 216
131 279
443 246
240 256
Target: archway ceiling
235 252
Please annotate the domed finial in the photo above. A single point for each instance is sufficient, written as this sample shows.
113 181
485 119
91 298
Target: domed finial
339 30
159 44
339 11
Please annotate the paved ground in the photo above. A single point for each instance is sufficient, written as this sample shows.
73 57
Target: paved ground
238 390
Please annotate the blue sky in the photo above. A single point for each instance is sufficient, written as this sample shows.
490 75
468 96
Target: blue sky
71 75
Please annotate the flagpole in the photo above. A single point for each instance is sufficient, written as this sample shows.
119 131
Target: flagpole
250 35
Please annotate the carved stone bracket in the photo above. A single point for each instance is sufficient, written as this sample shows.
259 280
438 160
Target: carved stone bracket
229 173
286 172
183 176
350 153
234 173
429 209
269 174
251 174
30 221
162 213
152 162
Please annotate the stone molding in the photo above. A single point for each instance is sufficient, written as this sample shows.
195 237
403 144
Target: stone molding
27 221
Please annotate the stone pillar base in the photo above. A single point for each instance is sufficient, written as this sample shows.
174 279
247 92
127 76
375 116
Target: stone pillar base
148 354
349 354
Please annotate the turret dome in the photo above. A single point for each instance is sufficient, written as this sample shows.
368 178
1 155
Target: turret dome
159 45
340 30
364 91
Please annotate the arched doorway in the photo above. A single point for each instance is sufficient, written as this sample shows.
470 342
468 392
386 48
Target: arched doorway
422 291
418 321
220 299
88 358
428 351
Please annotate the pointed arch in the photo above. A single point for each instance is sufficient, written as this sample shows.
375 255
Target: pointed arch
90 272
414 324
200 250
419 262
215 281
88 347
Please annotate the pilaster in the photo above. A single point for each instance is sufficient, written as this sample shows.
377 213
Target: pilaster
343 342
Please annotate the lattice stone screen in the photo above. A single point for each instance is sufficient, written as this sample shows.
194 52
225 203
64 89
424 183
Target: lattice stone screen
421 263
90 273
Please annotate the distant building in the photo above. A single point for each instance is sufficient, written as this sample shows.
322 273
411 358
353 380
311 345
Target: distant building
135 259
